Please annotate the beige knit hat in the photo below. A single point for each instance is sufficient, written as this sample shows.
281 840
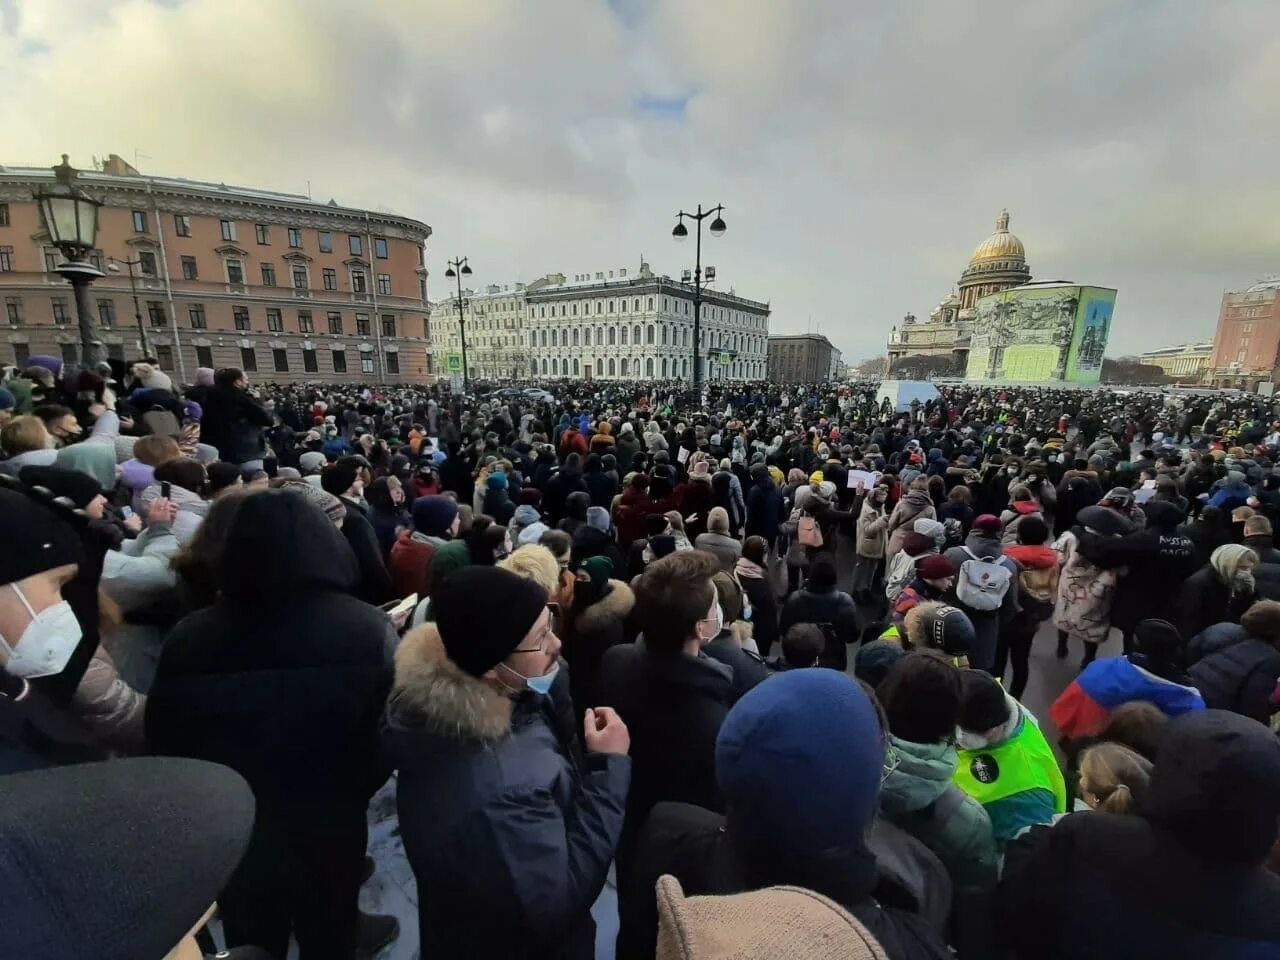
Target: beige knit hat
778 923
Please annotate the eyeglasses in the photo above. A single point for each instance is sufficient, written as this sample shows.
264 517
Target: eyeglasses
554 609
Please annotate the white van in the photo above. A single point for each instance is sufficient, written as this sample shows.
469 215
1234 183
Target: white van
900 393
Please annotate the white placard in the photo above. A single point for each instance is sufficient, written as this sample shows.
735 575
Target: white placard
867 478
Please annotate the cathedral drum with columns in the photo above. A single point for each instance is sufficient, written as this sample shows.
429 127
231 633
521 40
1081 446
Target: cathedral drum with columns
998 263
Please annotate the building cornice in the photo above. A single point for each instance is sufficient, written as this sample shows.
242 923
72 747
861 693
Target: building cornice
219 200
643 286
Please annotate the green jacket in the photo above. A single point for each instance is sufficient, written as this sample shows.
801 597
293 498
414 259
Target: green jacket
919 796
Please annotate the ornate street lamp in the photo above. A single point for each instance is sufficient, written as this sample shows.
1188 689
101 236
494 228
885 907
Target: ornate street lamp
681 232
71 218
458 269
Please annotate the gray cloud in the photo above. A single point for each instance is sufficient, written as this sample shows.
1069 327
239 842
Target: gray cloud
862 149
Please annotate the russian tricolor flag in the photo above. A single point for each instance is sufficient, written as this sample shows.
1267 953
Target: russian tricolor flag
1083 707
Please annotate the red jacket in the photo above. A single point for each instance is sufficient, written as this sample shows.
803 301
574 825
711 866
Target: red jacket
629 515
571 441
410 566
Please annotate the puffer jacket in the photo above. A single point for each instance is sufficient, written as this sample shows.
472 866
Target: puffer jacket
509 831
136 576
1234 671
914 503
873 526
918 795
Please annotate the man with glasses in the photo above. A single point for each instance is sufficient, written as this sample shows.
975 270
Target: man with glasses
509 828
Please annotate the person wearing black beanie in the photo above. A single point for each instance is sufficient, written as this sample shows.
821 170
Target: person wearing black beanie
509 832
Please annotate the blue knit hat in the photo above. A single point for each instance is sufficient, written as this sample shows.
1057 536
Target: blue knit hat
433 516
7 400
496 481
799 761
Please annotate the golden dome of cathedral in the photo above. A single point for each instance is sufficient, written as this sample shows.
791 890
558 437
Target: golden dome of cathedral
1001 245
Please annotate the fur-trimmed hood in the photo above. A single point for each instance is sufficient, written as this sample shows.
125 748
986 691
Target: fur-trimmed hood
615 605
431 692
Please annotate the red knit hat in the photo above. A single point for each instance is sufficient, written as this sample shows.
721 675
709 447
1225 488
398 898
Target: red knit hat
988 523
935 567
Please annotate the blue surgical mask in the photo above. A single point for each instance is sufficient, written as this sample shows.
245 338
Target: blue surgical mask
540 684
543 683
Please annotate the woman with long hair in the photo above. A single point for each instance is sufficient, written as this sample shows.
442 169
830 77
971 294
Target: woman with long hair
1111 775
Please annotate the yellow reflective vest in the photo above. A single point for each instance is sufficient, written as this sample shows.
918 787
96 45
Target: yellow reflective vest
1023 762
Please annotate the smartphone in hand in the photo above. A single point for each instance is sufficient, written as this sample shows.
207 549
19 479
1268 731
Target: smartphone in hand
165 488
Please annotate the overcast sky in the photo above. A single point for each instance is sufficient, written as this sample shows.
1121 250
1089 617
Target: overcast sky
862 150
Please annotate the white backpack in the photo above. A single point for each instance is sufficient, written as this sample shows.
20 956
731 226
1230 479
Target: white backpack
982 582
901 569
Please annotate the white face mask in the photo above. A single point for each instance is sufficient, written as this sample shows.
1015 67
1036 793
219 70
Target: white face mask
718 620
46 644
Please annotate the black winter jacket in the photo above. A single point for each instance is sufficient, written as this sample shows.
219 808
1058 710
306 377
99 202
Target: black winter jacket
283 678
673 707
234 422
1234 671
1205 600
375 582
508 828
834 612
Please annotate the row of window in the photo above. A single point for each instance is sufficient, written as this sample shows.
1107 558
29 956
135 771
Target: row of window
628 336
233 269
620 306
310 362
61 310
262 231
614 367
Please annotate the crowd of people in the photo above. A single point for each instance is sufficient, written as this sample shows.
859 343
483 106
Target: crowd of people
755 660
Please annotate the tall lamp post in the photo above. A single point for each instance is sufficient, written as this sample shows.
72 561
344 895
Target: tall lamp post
71 218
457 270
114 267
681 232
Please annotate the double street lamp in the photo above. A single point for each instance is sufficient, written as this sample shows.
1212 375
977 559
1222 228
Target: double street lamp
114 267
458 269
681 232
71 217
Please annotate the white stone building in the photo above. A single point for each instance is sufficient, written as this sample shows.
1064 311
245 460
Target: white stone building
495 331
616 327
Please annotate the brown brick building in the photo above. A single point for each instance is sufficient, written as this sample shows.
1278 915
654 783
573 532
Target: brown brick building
1246 345
800 358
281 286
